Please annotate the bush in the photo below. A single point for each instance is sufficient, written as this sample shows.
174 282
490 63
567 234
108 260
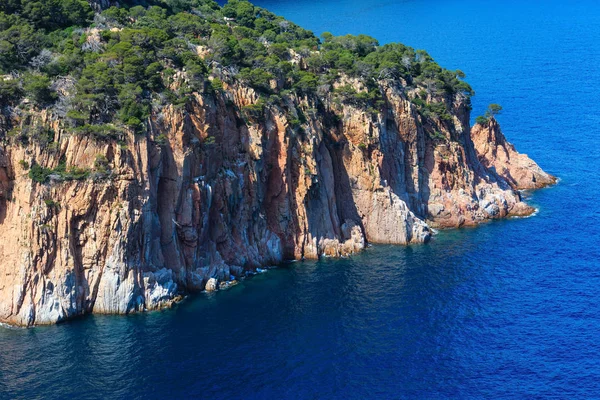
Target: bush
77 117
101 163
51 203
51 14
307 82
216 85
257 78
254 112
161 139
481 120
10 91
437 135
19 42
24 164
365 99
295 123
76 173
39 174
100 132
37 89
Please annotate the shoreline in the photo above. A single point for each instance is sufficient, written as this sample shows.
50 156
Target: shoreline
226 285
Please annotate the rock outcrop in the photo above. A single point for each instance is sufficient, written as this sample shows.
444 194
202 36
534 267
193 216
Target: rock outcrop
209 192
497 154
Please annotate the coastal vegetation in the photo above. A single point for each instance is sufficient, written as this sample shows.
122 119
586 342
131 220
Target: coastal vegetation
491 112
104 71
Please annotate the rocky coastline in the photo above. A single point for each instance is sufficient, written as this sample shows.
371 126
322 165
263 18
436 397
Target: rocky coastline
174 215
228 175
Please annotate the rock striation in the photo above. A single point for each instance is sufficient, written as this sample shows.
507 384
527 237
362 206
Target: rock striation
208 193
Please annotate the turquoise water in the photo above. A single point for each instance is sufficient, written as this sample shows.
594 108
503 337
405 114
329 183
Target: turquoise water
509 309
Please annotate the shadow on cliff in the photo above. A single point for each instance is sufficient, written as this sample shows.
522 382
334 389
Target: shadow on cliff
6 184
328 201
346 206
407 159
3 205
280 205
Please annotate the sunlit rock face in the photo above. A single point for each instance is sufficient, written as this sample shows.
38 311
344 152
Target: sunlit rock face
208 194
497 154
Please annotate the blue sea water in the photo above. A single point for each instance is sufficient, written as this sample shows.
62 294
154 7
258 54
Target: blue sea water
507 310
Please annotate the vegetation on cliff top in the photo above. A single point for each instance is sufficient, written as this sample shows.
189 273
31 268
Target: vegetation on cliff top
491 112
105 70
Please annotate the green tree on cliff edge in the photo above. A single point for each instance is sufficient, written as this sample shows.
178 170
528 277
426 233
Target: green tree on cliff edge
493 110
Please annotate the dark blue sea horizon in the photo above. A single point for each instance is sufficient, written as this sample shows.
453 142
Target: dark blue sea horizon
507 310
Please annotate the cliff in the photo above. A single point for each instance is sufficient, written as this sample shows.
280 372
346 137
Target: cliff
497 154
171 215
225 182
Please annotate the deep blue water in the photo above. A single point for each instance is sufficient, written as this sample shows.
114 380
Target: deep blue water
510 309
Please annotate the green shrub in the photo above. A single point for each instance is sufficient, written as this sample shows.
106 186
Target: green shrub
161 139
77 174
254 112
120 74
51 203
100 132
307 82
481 120
437 135
50 14
257 78
77 117
10 91
216 85
39 174
101 163
37 89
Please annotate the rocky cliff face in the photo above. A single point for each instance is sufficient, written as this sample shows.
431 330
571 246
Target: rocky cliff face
497 154
210 191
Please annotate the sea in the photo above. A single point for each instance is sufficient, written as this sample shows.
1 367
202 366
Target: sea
510 309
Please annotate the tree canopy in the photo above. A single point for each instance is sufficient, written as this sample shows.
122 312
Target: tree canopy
112 67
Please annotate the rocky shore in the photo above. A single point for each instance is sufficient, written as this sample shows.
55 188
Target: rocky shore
220 196
150 152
